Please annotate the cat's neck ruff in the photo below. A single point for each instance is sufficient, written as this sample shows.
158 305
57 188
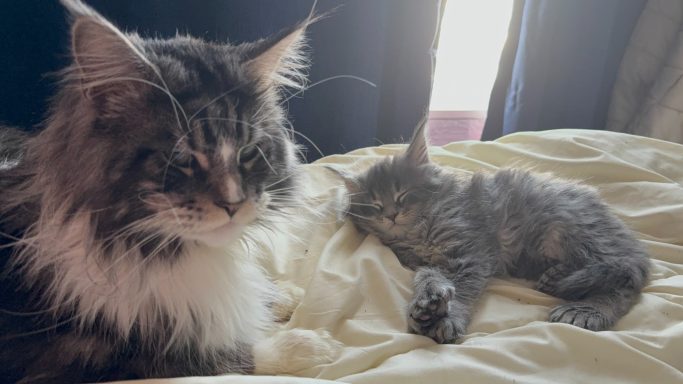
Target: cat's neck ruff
197 299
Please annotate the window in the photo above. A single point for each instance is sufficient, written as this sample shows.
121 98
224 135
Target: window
471 39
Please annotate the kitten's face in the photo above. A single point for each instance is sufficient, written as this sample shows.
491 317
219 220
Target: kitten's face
392 197
173 138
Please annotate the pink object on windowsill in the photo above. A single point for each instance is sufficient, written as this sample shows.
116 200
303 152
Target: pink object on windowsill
448 126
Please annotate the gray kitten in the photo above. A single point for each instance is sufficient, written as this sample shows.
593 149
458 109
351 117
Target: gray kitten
458 232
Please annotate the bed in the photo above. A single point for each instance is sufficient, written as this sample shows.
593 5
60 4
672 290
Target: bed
355 287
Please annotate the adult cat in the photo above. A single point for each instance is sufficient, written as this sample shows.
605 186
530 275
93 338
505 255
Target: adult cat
459 231
123 219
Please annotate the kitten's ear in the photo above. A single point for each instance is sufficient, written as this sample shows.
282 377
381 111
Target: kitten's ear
417 151
102 53
280 60
350 181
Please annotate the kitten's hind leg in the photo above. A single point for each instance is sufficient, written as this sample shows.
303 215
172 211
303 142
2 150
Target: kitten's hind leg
595 313
599 294
574 284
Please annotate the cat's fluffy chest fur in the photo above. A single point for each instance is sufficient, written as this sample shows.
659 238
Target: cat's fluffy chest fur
199 297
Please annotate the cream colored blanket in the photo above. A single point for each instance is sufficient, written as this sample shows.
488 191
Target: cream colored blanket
356 288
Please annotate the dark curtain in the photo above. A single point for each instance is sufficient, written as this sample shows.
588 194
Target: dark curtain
559 64
387 42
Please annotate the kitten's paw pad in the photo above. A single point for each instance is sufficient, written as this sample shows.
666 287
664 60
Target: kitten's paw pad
581 315
294 350
548 281
430 305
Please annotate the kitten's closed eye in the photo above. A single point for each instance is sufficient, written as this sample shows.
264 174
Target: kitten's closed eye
376 207
406 198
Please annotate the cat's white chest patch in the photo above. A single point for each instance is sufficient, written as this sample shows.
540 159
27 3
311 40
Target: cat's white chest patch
209 297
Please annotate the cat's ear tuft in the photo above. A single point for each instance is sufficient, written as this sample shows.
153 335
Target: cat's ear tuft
280 60
102 54
417 151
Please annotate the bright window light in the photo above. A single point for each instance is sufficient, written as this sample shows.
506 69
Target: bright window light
472 36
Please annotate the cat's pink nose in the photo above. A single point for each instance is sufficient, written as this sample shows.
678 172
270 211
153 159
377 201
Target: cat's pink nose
392 217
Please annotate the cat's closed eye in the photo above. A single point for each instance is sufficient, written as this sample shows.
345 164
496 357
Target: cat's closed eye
181 161
406 198
248 153
376 207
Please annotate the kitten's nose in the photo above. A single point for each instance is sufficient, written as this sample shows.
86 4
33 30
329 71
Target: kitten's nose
230 208
392 217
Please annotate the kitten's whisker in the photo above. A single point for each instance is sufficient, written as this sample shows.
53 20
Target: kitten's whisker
356 215
363 204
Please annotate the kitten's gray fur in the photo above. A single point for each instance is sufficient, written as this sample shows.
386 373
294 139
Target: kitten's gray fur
459 231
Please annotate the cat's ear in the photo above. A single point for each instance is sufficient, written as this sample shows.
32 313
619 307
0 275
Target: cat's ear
350 181
106 61
280 60
417 151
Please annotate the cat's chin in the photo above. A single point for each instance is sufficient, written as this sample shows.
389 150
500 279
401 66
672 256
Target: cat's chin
221 236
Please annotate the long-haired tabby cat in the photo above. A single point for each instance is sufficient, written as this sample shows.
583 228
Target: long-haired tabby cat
459 231
122 218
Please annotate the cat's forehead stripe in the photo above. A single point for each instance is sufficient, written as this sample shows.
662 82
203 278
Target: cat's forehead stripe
226 151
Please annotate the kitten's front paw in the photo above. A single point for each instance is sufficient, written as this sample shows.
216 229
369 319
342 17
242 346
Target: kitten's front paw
429 307
445 331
